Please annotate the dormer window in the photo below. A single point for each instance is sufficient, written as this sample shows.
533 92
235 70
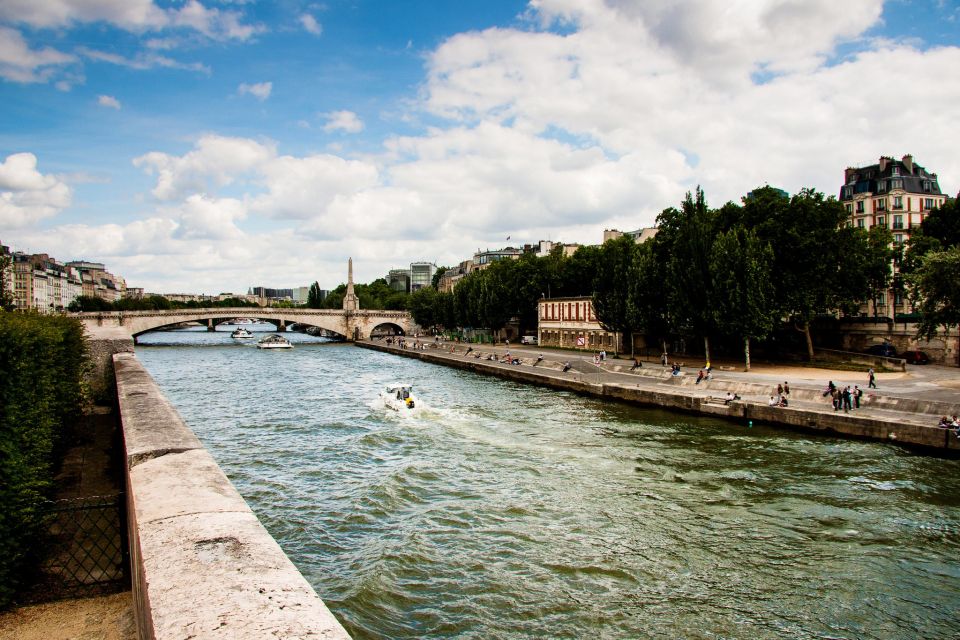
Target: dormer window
896 171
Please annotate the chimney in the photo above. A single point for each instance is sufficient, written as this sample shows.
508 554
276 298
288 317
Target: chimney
883 163
848 175
908 163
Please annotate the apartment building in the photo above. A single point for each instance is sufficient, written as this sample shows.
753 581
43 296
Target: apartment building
896 194
570 322
42 284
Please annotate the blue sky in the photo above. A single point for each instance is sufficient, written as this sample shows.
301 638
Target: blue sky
210 145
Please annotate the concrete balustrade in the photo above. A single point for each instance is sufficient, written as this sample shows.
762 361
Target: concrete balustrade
202 564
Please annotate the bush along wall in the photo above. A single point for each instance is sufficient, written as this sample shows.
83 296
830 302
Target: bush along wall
42 362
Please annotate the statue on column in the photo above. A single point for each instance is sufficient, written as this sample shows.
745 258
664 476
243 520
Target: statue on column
350 300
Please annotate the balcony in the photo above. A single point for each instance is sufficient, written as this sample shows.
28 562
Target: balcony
897 207
897 225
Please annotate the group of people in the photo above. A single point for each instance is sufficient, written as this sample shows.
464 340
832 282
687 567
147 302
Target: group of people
782 399
703 373
845 399
948 423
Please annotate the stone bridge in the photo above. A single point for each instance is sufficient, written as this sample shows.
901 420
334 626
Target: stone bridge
351 324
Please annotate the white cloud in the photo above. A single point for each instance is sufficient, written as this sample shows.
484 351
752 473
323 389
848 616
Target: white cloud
142 61
26 195
132 15
310 24
20 63
215 161
260 91
108 101
346 121
205 218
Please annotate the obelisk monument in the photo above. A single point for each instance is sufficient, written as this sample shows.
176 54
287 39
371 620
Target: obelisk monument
350 300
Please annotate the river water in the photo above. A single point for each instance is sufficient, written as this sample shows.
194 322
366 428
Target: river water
510 511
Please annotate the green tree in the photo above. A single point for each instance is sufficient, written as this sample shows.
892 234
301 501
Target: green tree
314 296
742 301
877 263
435 281
612 286
424 308
935 291
648 295
6 293
689 233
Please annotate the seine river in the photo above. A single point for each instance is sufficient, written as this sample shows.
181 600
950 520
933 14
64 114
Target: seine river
508 511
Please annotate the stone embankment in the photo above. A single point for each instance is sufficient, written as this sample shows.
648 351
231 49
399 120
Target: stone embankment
202 565
907 421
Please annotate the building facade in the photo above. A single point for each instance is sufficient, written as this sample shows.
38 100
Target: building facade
98 282
896 194
570 322
421 275
42 284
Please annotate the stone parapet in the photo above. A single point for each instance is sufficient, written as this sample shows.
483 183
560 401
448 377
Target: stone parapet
202 564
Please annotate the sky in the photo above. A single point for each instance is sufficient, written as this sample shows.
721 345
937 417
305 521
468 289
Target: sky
208 146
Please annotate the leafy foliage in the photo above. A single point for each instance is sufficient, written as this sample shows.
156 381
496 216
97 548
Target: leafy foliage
42 361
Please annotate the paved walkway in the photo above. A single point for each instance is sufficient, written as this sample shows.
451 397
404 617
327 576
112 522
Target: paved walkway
923 383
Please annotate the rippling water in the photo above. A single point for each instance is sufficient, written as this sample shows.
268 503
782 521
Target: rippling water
508 511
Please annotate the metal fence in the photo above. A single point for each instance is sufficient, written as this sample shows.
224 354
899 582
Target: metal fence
84 550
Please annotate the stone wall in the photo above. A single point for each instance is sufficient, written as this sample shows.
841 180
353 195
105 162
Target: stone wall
664 391
202 565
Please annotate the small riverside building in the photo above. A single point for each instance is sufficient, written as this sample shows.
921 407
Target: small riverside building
570 322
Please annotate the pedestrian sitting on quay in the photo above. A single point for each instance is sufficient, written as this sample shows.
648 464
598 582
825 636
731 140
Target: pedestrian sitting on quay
539 359
773 402
676 369
783 401
636 365
730 397
944 422
566 367
699 376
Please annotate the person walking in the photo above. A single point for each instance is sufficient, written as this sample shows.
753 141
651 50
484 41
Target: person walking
786 388
871 376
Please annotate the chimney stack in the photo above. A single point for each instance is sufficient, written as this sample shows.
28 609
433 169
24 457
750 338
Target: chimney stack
908 163
883 163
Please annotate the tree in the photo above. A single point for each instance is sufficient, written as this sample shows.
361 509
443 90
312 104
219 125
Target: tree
612 285
689 234
435 282
935 291
647 298
6 294
423 307
742 301
314 296
876 264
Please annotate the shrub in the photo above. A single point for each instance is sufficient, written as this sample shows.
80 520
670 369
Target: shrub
42 361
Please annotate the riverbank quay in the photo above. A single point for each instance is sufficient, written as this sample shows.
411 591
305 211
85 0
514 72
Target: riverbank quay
202 565
909 421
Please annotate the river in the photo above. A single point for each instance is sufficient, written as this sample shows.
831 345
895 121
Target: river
509 511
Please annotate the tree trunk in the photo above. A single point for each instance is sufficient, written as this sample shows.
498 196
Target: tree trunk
806 332
746 351
632 355
706 347
665 349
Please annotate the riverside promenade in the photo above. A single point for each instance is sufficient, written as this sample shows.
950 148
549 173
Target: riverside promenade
905 410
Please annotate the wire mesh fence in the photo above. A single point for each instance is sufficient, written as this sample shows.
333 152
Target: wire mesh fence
83 552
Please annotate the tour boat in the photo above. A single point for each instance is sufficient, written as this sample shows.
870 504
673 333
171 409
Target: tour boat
274 342
399 397
240 332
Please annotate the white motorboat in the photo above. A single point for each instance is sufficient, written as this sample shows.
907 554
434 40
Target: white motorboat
399 397
274 342
240 333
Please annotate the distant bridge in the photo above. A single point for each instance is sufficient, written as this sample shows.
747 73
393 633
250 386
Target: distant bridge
350 324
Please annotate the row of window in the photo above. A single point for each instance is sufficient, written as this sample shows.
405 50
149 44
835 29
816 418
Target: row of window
582 311
880 204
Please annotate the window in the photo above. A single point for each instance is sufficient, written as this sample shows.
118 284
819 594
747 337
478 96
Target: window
859 206
898 238
898 222
898 202
928 203
896 184
881 221
926 186
881 186
880 205
849 209
860 222
896 170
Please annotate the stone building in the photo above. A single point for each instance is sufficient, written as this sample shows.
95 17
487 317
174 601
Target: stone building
570 322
